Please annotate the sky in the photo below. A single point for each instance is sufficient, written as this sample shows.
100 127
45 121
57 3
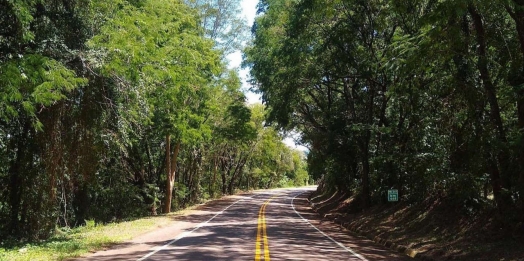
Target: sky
235 59
249 10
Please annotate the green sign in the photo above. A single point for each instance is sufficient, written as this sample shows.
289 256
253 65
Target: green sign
392 195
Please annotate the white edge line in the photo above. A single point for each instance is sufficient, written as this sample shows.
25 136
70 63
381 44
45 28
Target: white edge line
330 238
187 232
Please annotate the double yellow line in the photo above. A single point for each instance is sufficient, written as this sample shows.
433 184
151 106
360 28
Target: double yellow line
262 234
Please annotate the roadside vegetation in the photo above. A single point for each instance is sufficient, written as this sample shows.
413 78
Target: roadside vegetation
67 243
426 97
113 110
433 229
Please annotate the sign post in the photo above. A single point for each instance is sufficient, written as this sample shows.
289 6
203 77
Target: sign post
392 195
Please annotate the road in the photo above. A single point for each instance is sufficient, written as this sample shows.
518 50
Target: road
264 225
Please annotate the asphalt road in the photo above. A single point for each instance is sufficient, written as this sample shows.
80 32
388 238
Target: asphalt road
264 225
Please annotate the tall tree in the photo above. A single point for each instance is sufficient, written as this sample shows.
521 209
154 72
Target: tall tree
419 96
223 23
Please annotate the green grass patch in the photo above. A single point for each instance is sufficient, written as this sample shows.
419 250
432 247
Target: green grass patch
69 243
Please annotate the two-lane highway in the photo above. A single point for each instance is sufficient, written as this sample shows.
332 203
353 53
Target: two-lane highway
265 225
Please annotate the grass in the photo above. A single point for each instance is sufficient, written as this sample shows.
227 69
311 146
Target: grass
70 243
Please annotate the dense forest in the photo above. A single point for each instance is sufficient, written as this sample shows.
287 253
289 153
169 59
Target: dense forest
114 109
423 96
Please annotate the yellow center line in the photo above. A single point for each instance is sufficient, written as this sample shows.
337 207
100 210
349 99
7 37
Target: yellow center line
266 244
257 248
262 233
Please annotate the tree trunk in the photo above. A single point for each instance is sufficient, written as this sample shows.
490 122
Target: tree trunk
518 17
169 184
213 181
15 179
520 106
227 188
193 177
170 172
15 192
234 176
223 173
499 176
237 173
366 197
174 160
366 192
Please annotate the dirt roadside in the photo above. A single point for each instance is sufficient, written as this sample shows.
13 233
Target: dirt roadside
431 230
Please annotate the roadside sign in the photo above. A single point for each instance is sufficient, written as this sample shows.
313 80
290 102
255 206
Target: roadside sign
392 195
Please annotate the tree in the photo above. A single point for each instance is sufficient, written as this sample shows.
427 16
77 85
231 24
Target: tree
419 96
223 23
109 108
172 62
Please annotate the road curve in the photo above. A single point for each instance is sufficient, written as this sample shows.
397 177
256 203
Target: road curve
264 225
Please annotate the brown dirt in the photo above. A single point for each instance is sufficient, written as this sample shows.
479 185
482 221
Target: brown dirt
430 230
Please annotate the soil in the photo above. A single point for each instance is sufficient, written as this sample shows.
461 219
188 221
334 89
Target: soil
431 230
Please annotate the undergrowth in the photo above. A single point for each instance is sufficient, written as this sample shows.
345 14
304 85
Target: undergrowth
69 243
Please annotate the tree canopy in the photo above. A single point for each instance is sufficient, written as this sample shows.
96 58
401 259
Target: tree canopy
421 96
124 108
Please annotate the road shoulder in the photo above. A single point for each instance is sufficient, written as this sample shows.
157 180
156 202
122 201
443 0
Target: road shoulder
361 245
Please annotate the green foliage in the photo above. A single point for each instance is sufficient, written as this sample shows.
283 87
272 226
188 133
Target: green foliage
69 243
33 82
89 91
420 96
223 22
